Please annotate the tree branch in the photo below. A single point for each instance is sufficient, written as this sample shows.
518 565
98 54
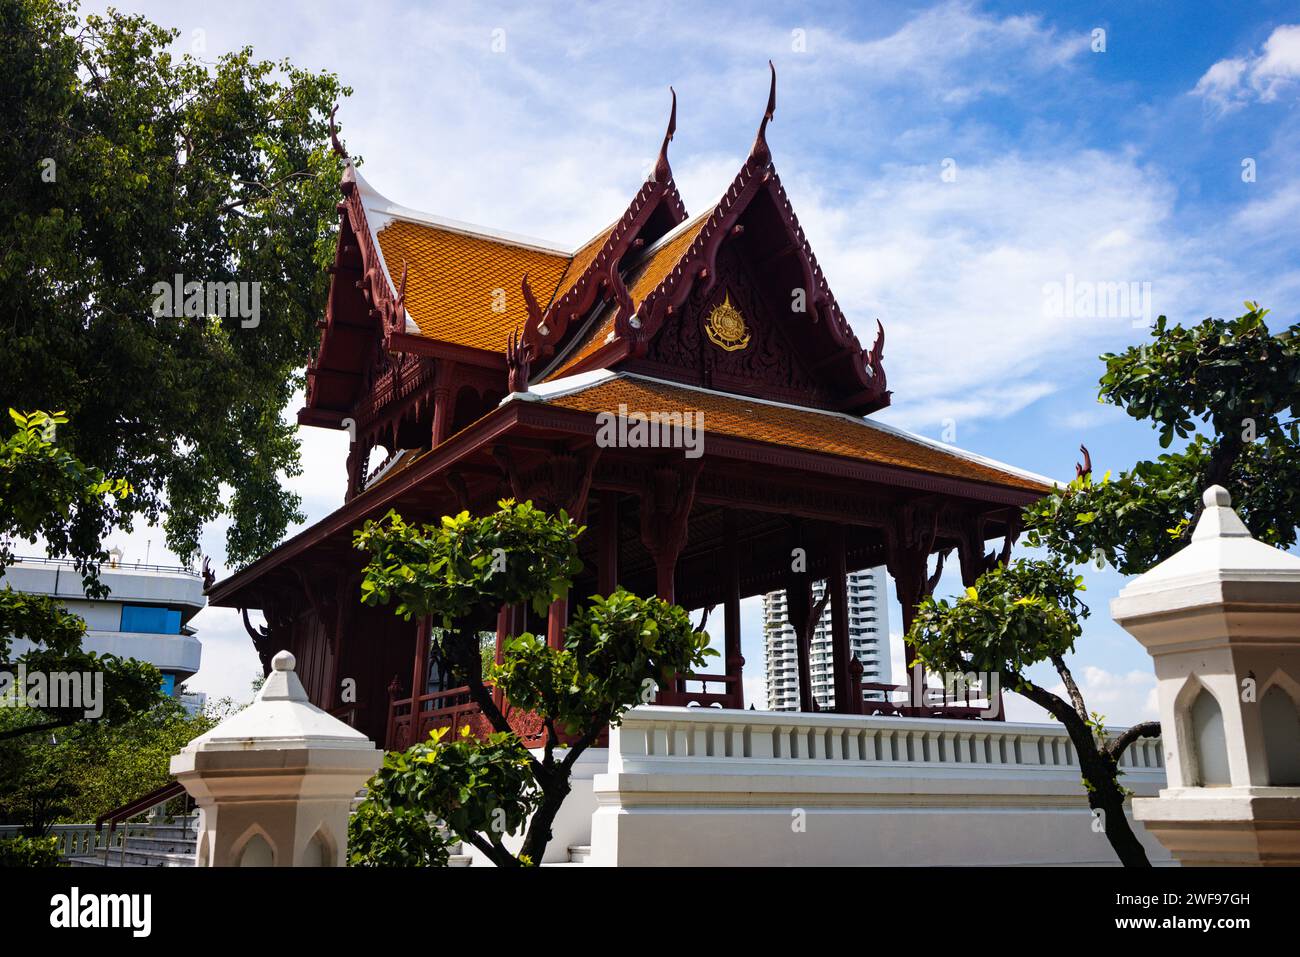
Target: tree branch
497 854
38 728
1075 696
1117 746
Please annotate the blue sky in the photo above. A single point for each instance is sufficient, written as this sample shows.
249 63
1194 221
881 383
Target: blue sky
950 164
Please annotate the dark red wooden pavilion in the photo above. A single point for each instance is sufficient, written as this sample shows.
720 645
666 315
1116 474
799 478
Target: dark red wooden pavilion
485 364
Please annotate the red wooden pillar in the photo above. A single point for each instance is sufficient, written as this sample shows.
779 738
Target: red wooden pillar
557 619
441 416
608 560
837 584
907 563
419 676
798 603
799 615
442 400
510 622
665 515
735 661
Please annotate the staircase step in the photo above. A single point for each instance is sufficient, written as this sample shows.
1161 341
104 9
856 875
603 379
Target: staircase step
117 857
160 845
579 853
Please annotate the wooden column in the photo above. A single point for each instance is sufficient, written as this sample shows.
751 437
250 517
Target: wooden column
910 542
800 614
735 661
510 622
798 603
419 676
569 484
974 562
666 501
441 416
837 584
608 560
443 387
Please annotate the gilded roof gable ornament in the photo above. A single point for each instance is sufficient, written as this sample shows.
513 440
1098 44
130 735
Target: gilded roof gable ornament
726 328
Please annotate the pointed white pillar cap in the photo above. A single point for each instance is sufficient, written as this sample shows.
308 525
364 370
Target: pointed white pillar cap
1223 564
280 717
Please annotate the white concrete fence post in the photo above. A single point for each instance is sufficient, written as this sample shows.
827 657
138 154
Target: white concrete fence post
1221 620
275 782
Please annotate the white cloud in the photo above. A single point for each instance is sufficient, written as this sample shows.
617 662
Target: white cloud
1267 76
957 271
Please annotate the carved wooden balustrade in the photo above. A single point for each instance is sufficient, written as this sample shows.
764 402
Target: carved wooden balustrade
714 691
955 699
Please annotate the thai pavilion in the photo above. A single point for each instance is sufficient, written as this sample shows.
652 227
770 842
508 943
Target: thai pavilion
483 364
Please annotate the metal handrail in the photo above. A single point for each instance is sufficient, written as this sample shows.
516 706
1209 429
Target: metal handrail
105 566
146 802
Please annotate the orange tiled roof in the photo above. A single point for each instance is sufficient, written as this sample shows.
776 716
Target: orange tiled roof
451 278
645 277
658 263
797 428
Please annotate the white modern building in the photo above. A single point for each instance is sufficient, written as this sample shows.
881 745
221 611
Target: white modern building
146 615
868 600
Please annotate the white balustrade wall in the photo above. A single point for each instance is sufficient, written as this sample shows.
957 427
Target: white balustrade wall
706 786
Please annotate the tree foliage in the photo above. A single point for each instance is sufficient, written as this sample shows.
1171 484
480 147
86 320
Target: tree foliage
124 165
1226 387
45 491
1016 616
1227 390
77 773
615 649
1013 617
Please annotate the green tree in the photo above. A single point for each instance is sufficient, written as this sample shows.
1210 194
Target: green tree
77 773
123 165
46 492
1227 390
616 648
1016 616
1227 387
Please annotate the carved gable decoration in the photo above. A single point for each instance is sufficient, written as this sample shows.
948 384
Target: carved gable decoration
728 338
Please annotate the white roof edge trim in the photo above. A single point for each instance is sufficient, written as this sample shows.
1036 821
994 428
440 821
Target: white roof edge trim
556 388
580 382
372 199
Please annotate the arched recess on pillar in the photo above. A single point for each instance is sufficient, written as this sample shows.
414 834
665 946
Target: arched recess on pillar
254 848
321 850
1280 715
1203 737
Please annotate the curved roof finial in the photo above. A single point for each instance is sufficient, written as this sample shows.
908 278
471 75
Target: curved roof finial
662 170
334 135
760 150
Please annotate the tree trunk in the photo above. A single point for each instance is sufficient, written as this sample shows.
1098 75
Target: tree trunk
1100 774
539 828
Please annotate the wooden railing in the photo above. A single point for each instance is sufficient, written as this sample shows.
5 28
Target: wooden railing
452 708
958 699
714 691
347 713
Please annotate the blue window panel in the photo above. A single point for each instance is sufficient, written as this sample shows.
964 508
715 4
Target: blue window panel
151 620
169 684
